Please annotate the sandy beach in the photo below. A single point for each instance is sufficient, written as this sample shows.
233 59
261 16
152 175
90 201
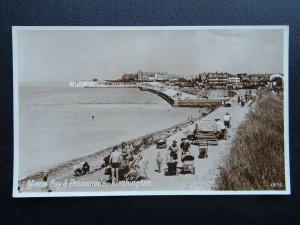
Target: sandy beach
56 123
206 170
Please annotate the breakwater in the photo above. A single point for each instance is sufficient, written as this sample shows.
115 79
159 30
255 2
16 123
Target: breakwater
162 95
177 102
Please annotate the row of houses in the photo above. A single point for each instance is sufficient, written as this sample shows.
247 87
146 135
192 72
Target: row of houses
241 80
149 76
215 79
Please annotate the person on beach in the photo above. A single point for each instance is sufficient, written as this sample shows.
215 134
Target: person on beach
105 161
45 175
227 119
192 119
85 167
220 129
125 154
242 102
185 145
168 134
77 170
239 100
176 129
131 148
195 131
173 151
159 161
146 142
115 161
93 117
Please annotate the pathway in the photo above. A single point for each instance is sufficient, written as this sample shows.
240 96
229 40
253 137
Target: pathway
206 169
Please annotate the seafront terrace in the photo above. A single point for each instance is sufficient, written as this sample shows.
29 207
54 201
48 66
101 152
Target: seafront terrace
179 99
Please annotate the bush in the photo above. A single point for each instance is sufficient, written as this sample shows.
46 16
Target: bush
256 159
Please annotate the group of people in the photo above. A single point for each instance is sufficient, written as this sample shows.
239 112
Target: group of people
119 159
241 100
173 149
191 119
172 153
220 127
81 169
128 158
244 99
122 157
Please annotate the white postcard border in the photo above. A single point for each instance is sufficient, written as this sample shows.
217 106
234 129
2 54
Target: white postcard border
15 192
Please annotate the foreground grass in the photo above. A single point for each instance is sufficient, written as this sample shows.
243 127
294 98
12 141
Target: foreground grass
256 159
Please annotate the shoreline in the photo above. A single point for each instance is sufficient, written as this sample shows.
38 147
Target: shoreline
68 131
95 159
206 170
205 178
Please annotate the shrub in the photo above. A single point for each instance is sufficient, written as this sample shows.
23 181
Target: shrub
256 159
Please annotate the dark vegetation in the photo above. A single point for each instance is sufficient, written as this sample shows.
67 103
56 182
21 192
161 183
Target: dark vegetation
256 159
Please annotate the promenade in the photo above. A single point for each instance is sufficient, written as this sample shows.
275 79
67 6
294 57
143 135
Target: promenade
206 170
178 98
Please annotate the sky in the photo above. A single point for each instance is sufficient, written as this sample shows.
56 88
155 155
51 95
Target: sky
64 55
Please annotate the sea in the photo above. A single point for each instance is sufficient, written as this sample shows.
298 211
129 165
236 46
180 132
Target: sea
56 124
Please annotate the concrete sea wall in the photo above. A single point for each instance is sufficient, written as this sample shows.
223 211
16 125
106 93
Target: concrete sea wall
201 103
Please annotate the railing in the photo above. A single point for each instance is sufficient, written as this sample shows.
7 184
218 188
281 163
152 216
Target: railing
199 103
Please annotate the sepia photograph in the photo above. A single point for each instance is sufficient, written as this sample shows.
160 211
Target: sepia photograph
110 111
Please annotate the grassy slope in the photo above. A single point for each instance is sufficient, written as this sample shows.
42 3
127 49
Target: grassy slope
256 159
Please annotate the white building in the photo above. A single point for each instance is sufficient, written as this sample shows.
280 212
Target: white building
102 84
83 83
234 80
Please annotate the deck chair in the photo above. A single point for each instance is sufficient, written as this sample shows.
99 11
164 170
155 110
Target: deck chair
142 170
135 161
138 148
